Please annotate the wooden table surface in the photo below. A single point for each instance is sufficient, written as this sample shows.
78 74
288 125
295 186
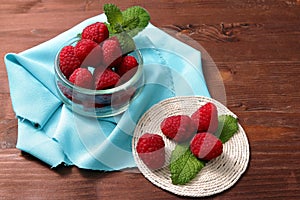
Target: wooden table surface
256 47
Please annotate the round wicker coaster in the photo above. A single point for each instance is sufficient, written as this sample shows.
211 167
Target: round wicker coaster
218 174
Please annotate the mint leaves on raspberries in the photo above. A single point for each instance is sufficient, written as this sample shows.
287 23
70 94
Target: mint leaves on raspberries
126 24
114 16
185 166
132 20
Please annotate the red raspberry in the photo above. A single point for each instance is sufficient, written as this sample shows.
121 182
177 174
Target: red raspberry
122 97
68 61
180 128
112 53
105 79
67 92
128 63
206 146
206 117
82 77
151 150
97 32
88 52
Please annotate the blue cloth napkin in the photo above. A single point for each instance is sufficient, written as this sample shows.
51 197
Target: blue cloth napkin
51 132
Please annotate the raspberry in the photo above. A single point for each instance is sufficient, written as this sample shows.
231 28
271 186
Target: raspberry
151 150
180 128
122 97
206 117
112 53
128 63
68 61
97 32
82 77
105 79
88 52
67 92
206 146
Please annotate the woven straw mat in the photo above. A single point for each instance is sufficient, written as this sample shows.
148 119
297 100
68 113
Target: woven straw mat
218 174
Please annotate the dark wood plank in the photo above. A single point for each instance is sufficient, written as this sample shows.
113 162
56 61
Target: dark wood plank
255 46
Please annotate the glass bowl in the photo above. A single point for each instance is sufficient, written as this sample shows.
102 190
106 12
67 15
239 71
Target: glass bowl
99 103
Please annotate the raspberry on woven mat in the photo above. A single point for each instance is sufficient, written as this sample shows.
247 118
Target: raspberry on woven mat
206 118
151 150
206 146
179 128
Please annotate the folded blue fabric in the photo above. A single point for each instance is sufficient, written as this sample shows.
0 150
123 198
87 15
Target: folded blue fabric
50 131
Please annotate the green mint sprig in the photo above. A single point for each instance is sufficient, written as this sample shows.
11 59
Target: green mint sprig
113 14
135 20
184 166
132 20
126 24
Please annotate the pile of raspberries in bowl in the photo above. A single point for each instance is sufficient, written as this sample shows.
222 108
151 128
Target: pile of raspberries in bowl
95 76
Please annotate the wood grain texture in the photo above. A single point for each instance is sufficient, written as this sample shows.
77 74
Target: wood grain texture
256 47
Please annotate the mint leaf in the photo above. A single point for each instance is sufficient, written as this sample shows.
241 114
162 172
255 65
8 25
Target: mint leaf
131 23
228 126
132 20
126 42
110 29
135 19
113 14
184 165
